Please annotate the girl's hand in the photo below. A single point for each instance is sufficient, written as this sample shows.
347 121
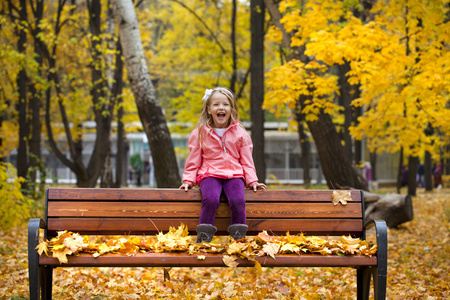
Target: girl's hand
259 185
185 186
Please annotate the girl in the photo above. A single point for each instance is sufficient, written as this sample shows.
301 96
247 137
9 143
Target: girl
220 159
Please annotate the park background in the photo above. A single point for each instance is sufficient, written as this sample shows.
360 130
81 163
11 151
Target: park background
347 82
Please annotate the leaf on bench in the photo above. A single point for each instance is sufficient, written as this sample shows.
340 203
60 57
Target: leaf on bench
42 248
341 196
230 261
271 249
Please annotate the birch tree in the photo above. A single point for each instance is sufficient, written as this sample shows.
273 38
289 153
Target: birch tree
149 109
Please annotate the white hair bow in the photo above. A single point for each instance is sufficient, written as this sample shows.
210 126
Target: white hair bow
207 94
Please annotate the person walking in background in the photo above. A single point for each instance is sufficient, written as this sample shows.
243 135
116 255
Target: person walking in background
220 160
438 176
137 173
420 174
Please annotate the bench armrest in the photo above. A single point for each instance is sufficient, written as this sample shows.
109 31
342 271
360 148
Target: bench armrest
33 237
382 243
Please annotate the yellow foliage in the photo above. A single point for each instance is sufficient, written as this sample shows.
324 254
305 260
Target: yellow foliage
8 132
401 69
14 206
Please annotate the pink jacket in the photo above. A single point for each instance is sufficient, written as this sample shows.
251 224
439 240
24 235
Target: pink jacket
229 157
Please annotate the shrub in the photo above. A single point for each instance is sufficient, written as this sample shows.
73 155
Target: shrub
14 206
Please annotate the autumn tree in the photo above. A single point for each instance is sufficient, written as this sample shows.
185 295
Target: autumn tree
150 112
301 85
403 92
24 64
73 66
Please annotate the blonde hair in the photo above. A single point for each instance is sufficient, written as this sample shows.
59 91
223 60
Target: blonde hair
206 118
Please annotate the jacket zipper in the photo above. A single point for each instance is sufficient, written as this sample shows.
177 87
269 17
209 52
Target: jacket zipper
223 142
222 139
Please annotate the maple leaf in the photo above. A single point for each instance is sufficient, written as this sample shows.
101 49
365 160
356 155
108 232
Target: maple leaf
75 243
235 248
62 235
61 254
230 261
265 237
351 249
42 247
351 241
341 196
128 248
290 248
323 251
271 249
296 239
102 249
201 257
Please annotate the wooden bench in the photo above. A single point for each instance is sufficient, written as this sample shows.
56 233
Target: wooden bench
94 211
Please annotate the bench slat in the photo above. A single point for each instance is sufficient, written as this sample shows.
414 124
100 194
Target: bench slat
171 210
211 260
191 195
127 226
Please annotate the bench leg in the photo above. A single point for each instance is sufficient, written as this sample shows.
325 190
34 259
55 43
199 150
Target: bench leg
47 283
40 282
35 278
379 284
363 276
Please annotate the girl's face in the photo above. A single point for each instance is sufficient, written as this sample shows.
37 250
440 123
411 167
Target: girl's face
220 110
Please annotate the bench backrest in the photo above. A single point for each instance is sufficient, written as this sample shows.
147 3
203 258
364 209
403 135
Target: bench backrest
147 211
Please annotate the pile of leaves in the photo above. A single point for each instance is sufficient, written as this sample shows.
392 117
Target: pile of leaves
179 240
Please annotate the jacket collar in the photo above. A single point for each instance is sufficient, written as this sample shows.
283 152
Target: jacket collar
235 123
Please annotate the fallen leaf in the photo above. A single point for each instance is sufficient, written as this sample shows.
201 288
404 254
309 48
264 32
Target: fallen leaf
341 196
271 249
230 261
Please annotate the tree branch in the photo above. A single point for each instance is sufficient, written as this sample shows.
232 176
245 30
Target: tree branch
203 23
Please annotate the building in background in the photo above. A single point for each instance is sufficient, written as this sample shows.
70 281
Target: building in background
282 159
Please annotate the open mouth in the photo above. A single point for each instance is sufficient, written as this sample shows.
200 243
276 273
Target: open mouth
221 115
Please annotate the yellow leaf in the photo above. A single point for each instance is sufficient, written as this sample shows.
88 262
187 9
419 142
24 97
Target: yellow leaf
235 248
42 247
350 241
230 261
75 243
61 255
258 268
341 196
271 249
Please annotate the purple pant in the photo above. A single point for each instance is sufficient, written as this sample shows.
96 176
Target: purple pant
233 189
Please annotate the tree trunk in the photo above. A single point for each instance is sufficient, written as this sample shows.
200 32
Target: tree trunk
400 171
233 46
395 209
413 165
35 109
106 176
345 100
428 172
257 12
117 91
337 166
149 109
305 148
304 144
22 151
